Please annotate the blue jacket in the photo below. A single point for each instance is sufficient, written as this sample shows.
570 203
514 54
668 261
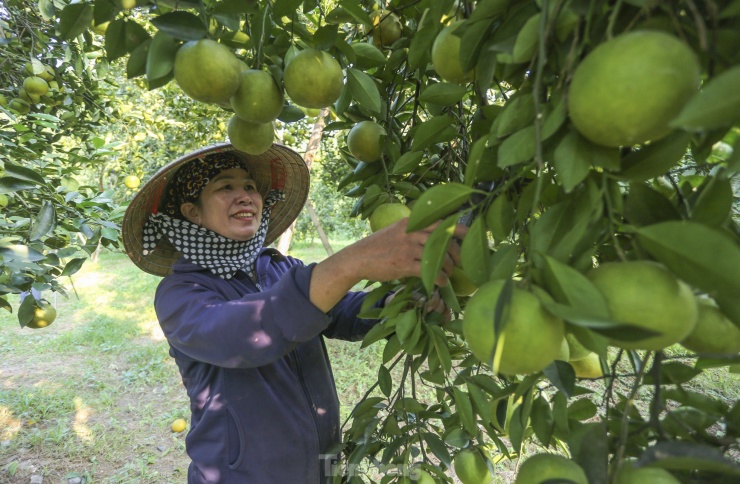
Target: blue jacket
262 394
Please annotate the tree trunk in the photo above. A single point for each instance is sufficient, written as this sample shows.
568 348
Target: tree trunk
313 145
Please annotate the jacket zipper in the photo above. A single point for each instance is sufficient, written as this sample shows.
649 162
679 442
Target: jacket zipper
299 370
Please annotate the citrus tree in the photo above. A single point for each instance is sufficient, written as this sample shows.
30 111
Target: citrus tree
590 147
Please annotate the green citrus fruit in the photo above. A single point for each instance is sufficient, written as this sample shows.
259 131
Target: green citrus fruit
541 467
629 88
386 28
714 333
251 138
387 214
29 98
48 74
461 283
258 98
313 79
576 349
207 71
19 105
3 200
420 476
132 182
446 56
588 367
646 294
364 141
643 475
35 86
99 29
43 315
470 467
128 4
532 336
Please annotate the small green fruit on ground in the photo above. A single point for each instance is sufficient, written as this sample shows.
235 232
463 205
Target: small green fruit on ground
251 138
313 79
542 467
714 333
646 294
364 141
387 214
258 98
628 89
470 467
446 56
207 71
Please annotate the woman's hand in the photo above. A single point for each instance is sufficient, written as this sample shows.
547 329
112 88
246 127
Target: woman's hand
388 254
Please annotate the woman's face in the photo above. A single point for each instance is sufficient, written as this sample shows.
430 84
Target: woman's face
229 205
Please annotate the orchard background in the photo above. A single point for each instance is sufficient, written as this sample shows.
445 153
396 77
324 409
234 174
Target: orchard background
475 109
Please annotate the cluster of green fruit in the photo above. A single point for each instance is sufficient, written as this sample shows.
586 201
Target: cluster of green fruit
643 294
208 71
37 87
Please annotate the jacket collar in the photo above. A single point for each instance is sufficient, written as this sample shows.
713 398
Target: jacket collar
183 265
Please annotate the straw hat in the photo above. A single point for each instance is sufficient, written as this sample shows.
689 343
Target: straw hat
278 167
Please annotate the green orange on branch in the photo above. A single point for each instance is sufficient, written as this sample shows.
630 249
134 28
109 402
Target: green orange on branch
446 56
365 141
387 214
43 315
628 89
470 467
207 71
543 467
251 138
258 99
313 79
386 29
714 333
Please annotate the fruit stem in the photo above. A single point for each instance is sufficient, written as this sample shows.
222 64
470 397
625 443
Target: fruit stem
613 19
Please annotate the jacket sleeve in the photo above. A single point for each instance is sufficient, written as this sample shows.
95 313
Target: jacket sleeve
252 331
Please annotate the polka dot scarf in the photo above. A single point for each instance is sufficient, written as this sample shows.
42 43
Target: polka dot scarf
204 247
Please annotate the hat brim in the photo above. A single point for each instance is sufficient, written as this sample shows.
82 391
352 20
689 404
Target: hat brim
278 167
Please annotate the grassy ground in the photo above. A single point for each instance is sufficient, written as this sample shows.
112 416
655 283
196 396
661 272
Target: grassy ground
92 397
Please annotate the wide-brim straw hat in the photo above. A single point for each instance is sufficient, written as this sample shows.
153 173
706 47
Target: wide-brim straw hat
279 167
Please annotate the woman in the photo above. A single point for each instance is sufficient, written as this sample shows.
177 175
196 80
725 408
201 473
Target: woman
245 323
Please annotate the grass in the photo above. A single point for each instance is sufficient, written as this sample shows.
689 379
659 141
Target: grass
93 395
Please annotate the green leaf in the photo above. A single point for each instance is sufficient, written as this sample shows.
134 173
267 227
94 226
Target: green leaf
704 363
377 333
435 252
473 38
705 257
716 105
645 206
44 222
391 348
385 381
73 266
438 448
161 56
475 253
517 113
714 204
421 43
527 40
23 173
75 19
604 326
589 447
435 130
504 261
407 163
137 61
570 287
291 113
581 409
465 411
406 322
562 375
367 55
20 253
436 203
181 25
673 373
440 345
26 310
542 420
443 93
285 7
364 90
572 160
122 37
517 148
500 217
9 184
687 456
656 158
356 11
104 11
